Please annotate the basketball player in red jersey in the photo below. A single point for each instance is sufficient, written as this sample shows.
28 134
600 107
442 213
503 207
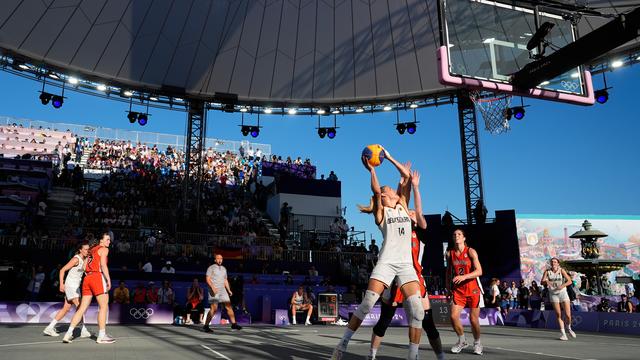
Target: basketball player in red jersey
97 282
392 297
463 273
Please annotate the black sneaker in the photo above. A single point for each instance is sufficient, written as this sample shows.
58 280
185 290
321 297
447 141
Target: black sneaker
236 326
207 329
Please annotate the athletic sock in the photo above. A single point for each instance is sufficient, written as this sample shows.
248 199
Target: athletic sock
52 324
373 352
307 319
413 351
462 339
70 330
475 342
562 331
348 333
440 356
102 333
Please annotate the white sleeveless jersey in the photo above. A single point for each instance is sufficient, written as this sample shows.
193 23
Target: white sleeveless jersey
555 279
74 276
396 235
297 299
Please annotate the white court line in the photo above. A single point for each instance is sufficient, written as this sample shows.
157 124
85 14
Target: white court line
215 352
539 353
32 343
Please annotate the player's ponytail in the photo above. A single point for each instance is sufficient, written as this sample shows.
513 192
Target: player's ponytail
367 209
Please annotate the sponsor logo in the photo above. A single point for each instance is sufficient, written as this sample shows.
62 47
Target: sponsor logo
141 313
398 219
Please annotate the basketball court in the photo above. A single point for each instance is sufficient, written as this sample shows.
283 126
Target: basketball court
313 342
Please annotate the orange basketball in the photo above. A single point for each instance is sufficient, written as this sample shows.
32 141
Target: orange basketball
374 154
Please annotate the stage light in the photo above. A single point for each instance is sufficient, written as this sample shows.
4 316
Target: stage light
244 109
321 112
292 111
178 99
57 101
413 105
23 67
331 133
132 116
359 110
401 128
101 87
387 108
153 98
54 76
335 111
602 96
268 110
617 63
73 81
411 128
45 98
128 93
142 119
544 83
518 112
322 132
255 131
575 75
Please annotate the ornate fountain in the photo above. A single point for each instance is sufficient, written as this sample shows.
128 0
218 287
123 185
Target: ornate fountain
591 265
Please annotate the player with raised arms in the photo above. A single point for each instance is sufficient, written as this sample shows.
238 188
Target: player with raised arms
391 214
392 297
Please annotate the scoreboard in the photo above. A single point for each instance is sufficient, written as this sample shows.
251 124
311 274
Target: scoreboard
327 307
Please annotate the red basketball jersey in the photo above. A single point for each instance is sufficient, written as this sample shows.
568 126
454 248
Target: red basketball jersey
93 263
416 254
462 265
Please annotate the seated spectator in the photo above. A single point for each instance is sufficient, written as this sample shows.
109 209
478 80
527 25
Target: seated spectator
166 294
195 294
604 306
300 301
124 246
625 305
140 295
147 267
313 271
152 293
121 294
167 268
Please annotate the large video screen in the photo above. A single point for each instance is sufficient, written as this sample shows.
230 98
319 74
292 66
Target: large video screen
542 237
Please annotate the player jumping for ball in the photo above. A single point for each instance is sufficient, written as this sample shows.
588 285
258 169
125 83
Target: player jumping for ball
391 214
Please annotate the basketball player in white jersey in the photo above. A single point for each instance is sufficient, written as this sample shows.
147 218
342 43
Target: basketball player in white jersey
300 301
557 280
391 214
71 289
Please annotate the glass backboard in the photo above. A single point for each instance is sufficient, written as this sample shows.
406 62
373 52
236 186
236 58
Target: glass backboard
485 42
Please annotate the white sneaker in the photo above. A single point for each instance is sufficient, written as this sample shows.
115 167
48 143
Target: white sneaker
67 339
50 331
563 337
477 348
188 322
459 346
307 323
573 334
369 357
337 354
294 322
106 339
85 333
341 322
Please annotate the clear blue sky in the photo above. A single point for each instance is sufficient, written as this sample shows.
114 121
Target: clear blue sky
561 159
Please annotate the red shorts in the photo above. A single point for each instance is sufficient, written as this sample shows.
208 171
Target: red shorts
94 284
467 300
397 294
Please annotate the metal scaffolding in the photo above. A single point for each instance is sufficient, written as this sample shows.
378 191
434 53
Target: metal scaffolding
194 150
473 192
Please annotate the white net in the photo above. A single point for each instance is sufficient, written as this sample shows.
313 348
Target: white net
493 107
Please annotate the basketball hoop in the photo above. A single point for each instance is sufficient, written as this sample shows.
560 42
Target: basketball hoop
493 107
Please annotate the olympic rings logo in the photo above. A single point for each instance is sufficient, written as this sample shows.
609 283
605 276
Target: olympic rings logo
141 313
569 85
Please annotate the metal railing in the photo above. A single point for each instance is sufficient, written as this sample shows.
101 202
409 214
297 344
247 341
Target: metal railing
162 140
139 248
298 222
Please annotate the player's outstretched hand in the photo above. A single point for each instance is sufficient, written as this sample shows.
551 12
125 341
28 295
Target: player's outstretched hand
415 178
366 164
